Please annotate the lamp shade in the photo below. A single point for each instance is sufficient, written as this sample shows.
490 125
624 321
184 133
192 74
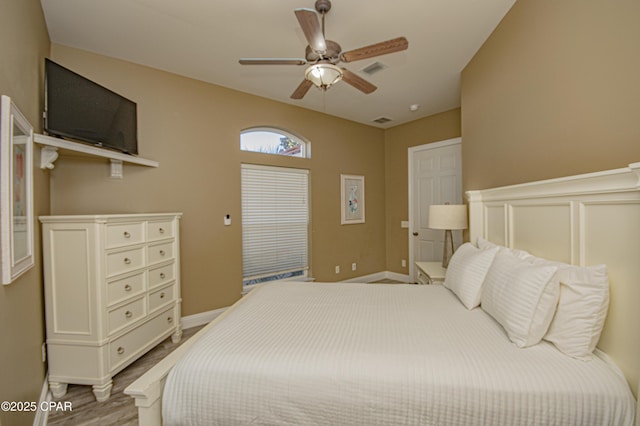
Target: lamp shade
447 216
323 75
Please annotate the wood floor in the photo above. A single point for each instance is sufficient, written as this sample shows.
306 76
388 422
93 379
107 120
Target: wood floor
119 409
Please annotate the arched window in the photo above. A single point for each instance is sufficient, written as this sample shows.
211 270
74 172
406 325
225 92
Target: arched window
270 140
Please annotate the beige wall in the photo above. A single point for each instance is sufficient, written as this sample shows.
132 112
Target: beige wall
553 92
398 140
24 43
192 129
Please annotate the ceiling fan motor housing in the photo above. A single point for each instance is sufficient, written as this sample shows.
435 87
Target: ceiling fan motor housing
332 54
323 6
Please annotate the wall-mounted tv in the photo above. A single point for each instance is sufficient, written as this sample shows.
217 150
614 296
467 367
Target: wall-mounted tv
78 108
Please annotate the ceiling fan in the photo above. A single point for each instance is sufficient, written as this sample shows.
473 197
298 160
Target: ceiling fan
323 55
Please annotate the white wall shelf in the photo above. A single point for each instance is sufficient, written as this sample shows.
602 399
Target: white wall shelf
51 146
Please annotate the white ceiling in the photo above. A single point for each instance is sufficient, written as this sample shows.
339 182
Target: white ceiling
203 39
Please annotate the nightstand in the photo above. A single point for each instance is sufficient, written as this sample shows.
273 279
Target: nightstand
430 272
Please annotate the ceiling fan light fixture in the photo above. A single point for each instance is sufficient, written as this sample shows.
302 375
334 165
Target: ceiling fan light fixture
323 75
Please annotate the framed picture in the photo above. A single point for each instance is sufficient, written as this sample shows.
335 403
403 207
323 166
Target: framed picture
352 198
16 191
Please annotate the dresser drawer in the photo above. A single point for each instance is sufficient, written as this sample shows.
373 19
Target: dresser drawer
160 230
161 275
129 345
125 288
127 314
124 261
124 234
160 252
161 297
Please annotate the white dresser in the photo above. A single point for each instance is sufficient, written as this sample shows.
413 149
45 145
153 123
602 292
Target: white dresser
112 292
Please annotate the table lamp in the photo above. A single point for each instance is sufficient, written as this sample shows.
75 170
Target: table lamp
447 217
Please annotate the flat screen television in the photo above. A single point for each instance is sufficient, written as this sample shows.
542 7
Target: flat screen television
77 108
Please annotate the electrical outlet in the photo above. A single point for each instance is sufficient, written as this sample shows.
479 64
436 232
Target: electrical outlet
337 269
353 266
404 263
44 352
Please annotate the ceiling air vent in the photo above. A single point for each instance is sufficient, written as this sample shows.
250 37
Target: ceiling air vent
381 120
374 68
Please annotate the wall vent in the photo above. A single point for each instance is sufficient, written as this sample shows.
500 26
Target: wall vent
374 68
382 120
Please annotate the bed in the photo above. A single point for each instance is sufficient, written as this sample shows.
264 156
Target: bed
337 353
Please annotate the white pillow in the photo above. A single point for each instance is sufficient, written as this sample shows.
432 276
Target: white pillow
486 244
582 309
521 296
466 272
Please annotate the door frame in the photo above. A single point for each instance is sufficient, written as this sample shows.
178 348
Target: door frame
411 151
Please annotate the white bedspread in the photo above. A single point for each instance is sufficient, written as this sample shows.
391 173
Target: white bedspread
361 354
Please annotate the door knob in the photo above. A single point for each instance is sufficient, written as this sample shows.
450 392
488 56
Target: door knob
415 234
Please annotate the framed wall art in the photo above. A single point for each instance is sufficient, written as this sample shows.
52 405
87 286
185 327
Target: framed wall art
16 191
352 198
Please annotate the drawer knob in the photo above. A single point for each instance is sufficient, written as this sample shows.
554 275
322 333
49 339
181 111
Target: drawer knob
161 252
120 350
161 230
169 320
128 314
127 260
162 295
162 275
127 235
127 287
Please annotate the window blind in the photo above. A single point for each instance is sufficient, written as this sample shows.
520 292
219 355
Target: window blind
275 221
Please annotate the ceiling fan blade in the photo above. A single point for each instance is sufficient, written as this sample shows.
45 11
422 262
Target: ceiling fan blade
382 48
272 61
310 23
302 89
357 81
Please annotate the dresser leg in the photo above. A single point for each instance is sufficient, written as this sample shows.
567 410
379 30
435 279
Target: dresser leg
102 392
58 390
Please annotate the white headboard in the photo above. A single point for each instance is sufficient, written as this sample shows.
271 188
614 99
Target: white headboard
584 220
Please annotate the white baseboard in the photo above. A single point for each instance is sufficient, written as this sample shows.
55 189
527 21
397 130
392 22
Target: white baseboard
202 318
367 278
42 416
384 275
398 277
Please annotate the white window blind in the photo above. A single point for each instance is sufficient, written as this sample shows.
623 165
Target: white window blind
275 221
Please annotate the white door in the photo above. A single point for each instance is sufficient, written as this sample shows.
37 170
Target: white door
435 177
